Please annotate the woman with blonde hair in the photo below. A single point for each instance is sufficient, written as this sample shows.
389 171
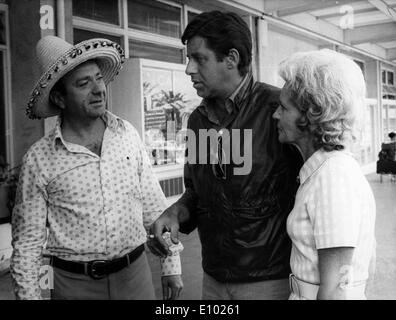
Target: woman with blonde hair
332 222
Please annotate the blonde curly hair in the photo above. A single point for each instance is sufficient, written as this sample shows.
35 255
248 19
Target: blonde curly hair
329 91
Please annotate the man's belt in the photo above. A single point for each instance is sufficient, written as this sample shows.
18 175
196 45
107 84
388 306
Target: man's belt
97 269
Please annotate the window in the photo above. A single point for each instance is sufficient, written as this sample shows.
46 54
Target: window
100 10
191 15
155 17
169 99
161 20
388 117
390 77
81 35
2 28
139 49
150 34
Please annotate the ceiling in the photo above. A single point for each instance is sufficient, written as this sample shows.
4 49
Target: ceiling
362 22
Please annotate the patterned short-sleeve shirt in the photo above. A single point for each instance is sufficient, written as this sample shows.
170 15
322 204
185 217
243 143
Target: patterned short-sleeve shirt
95 207
334 207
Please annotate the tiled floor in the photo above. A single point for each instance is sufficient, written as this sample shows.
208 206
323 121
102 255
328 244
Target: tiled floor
382 286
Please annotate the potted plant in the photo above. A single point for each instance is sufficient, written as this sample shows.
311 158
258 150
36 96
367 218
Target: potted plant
8 184
173 103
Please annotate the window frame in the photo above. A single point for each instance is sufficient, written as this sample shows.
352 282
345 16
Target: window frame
154 36
386 71
127 33
188 9
5 49
393 78
120 18
180 52
386 103
163 171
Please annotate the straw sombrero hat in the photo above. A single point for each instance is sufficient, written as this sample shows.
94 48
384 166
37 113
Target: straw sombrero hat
56 58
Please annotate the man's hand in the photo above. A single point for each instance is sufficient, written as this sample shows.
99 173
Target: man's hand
171 287
168 221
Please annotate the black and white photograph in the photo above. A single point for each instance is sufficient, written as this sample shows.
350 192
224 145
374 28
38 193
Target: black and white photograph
187 152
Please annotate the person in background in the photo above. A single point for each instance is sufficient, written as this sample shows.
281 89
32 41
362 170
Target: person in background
392 137
333 220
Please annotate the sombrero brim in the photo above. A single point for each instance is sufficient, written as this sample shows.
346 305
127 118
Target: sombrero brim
109 56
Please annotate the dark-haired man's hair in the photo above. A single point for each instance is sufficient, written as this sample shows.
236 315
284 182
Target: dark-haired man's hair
58 87
222 31
391 135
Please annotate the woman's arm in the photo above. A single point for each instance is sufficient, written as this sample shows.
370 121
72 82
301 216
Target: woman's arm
335 269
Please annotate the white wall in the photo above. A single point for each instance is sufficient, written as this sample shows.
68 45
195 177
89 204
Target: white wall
320 26
252 4
373 49
279 47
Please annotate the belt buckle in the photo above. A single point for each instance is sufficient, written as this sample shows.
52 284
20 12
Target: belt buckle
96 269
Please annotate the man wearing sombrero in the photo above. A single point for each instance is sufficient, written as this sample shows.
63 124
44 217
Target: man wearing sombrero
86 191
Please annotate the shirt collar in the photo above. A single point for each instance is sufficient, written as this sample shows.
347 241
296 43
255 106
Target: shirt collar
238 89
315 161
112 122
234 100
